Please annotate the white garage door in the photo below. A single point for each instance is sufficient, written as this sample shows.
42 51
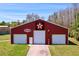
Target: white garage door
20 38
58 39
39 37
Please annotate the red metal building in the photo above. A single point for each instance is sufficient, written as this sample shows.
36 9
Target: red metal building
39 32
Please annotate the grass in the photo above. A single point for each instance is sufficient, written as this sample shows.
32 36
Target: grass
4 37
8 49
74 41
64 50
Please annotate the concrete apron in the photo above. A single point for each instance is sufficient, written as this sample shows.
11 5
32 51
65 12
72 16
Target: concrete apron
38 50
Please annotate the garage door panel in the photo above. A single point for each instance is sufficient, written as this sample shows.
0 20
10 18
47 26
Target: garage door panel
58 39
20 38
39 37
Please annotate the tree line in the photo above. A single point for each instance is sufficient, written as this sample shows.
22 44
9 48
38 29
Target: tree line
29 18
69 18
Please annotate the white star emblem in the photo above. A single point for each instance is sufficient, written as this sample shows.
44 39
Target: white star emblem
39 26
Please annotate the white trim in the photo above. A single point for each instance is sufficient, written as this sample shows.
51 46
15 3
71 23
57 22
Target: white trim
58 25
23 24
42 20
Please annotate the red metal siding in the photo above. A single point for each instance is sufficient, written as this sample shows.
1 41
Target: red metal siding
53 29
48 27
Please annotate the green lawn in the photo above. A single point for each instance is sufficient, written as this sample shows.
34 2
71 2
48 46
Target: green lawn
5 37
8 49
64 50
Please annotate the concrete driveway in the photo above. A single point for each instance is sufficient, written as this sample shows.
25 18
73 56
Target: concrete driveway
39 50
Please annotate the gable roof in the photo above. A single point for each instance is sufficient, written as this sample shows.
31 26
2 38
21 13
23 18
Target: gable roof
40 20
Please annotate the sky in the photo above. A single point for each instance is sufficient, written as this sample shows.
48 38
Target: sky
18 11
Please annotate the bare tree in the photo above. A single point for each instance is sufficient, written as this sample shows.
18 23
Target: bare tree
75 11
18 22
32 17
